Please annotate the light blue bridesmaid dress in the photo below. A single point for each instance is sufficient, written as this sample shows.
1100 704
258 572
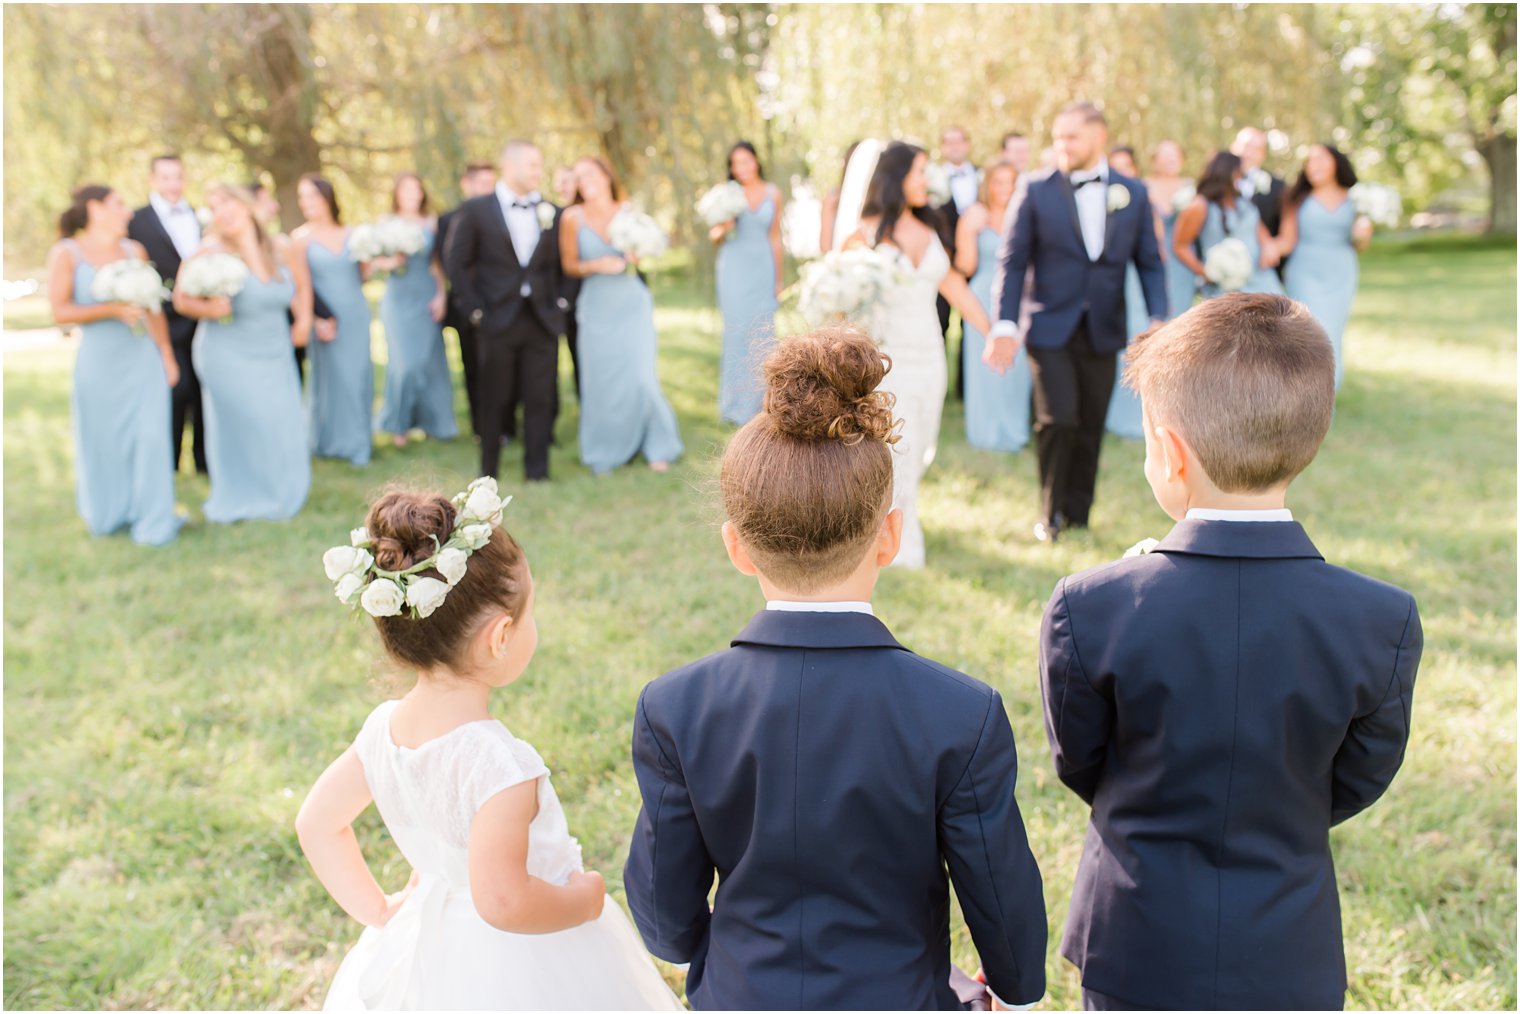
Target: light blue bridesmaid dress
1181 283
747 299
418 391
997 407
120 406
1124 405
1239 223
1322 273
623 410
342 396
255 429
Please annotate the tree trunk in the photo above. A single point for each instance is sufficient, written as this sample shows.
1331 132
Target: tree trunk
1498 153
292 149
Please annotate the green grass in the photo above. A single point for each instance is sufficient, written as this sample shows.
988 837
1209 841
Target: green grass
166 710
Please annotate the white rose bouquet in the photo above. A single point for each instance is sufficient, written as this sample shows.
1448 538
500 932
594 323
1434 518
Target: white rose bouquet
1228 264
131 281
1379 203
391 236
723 203
637 235
213 275
939 183
844 283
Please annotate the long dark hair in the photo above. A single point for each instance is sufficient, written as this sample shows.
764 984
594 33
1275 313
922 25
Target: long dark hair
744 146
1345 176
77 215
1218 179
326 190
885 196
422 208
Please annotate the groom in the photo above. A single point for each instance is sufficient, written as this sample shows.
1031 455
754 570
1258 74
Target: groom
1075 229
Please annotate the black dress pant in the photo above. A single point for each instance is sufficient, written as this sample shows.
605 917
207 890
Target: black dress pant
517 363
185 402
1072 386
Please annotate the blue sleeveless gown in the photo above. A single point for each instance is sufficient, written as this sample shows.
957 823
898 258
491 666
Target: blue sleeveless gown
747 299
255 428
342 396
1322 273
419 393
120 402
623 410
1239 223
1124 404
1181 285
997 408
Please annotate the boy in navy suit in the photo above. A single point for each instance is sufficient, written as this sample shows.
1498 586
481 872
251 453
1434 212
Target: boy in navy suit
835 782
1225 698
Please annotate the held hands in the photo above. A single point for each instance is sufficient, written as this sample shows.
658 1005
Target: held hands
1270 255
438 307
393 902
171 369
326 328
999 353
593 890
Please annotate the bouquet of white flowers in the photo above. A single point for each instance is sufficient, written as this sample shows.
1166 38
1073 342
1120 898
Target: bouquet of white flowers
1228 264
939 183
214 274
1379 203
723 203
1183 196
390 236
636 234
131 281
843 283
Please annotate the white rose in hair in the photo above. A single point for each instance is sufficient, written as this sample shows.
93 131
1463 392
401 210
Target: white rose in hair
340 560
348 588
426 594
359 537
383 598
474 536
482 504
451 564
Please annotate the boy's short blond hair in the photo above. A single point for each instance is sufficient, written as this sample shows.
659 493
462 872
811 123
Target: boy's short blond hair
1248 381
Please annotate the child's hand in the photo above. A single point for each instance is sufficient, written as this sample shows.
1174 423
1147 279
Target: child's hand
393 902
593 889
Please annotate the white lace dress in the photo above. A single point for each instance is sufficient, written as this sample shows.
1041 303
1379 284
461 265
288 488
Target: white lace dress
905 323
436 952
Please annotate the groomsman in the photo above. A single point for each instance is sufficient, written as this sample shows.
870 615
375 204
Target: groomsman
955 149
479 179
1016 151
503 258
1076 228
169 231
1258 185
564 188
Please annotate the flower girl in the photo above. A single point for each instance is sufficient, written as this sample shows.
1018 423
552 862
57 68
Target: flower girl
499 913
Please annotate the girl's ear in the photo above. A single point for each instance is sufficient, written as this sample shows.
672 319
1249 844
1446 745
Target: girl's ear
498 634
737 554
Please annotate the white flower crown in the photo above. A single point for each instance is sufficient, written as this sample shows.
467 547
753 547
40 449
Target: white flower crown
357 581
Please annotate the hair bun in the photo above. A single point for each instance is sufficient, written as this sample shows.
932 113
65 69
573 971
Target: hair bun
822 386
404 525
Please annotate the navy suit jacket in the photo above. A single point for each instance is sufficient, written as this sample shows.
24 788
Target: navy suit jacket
1221 702
1045 235
830 778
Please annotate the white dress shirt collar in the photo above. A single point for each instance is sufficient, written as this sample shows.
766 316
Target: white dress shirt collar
508 197
1097 172
1225 514
179 222
784 606
165 209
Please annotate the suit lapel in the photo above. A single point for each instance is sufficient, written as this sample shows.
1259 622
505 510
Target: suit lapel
155 225
1069 198
1111 218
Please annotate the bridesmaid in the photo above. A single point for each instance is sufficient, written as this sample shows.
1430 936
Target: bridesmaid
623 411
1124 404
749 286
255 430
122 376
1164 183
1322 230
997 407
342 396
1218 213
419 394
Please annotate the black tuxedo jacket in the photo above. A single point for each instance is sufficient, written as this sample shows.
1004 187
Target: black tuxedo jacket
1046 235
453 316
482 267
148 229
830 778
1270 204
1221 702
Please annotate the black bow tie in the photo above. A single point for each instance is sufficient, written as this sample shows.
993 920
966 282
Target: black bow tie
1078 184
523 202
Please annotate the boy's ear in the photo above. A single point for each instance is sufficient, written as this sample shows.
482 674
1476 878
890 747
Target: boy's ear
1175 451
737 555
889 539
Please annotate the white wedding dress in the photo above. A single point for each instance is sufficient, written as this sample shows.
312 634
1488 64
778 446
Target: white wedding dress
436 952
905 323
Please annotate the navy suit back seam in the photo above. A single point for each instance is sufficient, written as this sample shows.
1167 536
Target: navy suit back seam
796 843
1224 829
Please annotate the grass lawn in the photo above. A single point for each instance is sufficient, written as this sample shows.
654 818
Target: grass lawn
165 711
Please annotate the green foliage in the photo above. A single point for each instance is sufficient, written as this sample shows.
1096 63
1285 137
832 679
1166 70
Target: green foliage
166 710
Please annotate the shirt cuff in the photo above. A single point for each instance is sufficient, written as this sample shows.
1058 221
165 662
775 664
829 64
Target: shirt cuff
1010 1006
1005 329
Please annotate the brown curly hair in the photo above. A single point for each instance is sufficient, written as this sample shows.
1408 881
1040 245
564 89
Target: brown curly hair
808 481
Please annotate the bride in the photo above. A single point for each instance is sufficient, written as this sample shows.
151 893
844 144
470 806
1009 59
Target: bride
896 219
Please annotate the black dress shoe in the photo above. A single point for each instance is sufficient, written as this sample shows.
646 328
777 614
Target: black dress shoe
1047 531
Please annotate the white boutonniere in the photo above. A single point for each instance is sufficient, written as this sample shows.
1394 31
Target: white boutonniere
1118 197
203 216
545 212
1261 180
1141 548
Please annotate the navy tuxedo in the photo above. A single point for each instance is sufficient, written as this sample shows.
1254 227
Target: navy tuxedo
1220 703
836 784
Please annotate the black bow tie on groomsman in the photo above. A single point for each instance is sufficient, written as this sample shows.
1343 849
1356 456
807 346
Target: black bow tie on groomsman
1078 182
525 202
